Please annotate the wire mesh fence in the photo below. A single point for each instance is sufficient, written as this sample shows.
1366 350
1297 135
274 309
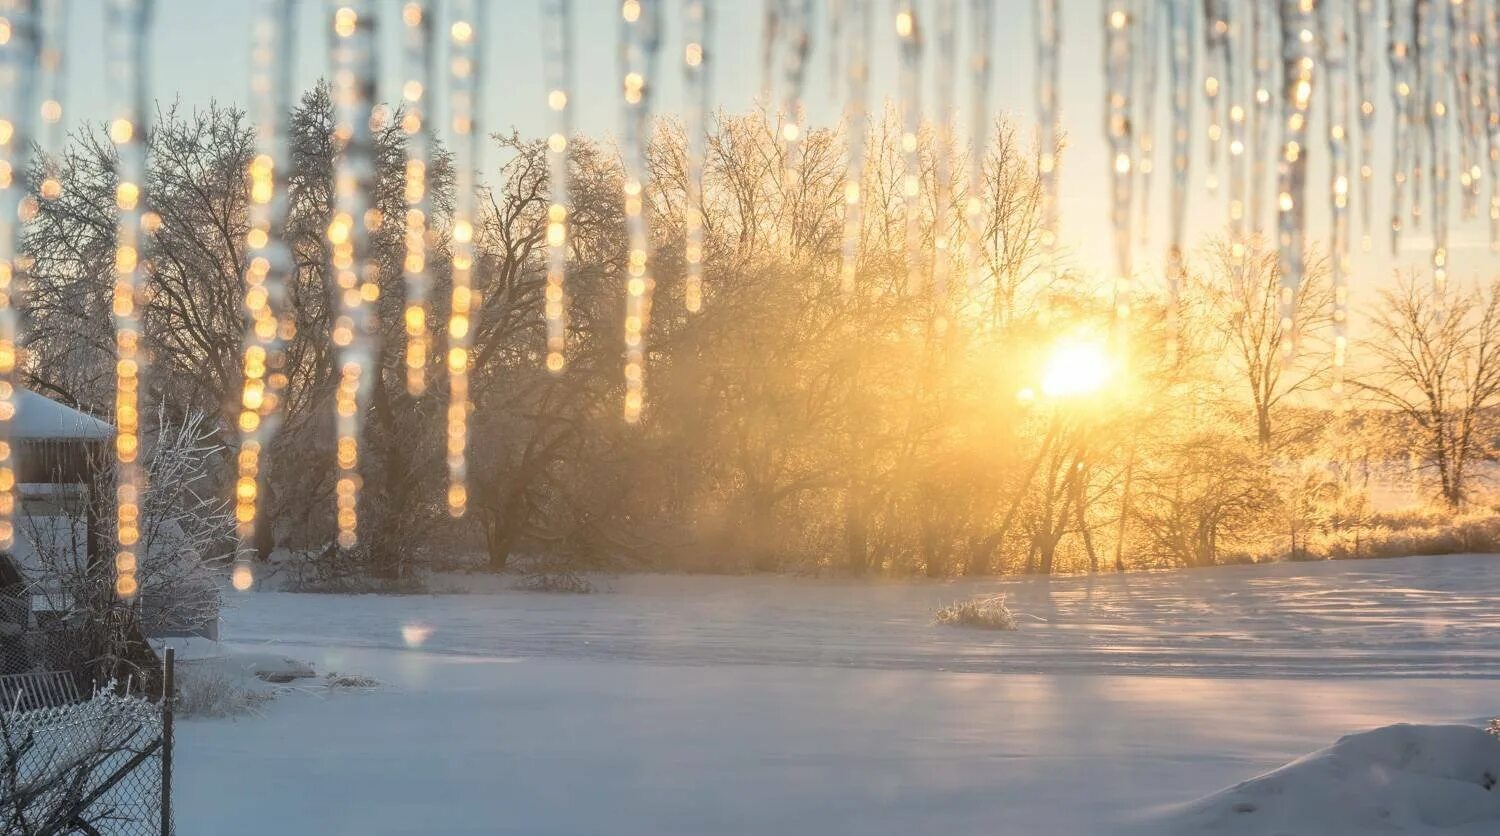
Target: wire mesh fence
101 765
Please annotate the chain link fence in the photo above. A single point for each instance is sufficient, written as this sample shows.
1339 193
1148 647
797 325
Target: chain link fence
96 766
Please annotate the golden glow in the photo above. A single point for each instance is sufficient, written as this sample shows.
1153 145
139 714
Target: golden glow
1075 369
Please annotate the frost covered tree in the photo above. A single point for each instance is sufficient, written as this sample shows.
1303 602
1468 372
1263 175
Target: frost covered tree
1435 360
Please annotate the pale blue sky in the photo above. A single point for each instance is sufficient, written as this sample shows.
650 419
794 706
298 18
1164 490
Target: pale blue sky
200 53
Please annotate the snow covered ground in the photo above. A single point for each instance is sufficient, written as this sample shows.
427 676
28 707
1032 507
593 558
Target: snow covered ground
775 705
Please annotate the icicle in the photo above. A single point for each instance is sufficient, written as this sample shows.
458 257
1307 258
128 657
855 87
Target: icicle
1436 57
1492 98
695 69
981 31
1367 27
1299 45
770 36
354 268
1180 55
463 118
909 43
17 104
1215 62
945 16
1467 44
268 263
638 49
125 73
855 119
1421 109
1117 67
1401 58
837 9
1148 38
416 93
1049 127
1234 88
557 43
51 69
1336 65
798 41
1266 41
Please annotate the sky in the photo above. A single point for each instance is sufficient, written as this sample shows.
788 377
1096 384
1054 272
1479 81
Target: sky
200 53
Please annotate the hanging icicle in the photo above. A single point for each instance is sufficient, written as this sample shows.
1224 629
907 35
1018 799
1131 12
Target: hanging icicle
268 263
1215 62
463 115
17 104
638 43
946 35
1336 67
126 68
1265 43
417 58
696 90
51 74
1465 38
770 36
1421 104
1148 37
798 26
1117 65
1180 56
1234 21
1402 14
354 268
557 45
1298 51
909 47
981 33
855 118
1437 54
1049 126
1367 49
1491 54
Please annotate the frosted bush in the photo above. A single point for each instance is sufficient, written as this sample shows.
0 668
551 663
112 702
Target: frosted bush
987 612
564 582
351 680
208 690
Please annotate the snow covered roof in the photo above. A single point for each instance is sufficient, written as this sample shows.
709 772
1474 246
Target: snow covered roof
42 419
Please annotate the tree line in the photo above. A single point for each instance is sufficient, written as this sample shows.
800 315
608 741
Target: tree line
796 423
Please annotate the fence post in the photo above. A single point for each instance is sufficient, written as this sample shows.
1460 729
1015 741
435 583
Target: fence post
168 698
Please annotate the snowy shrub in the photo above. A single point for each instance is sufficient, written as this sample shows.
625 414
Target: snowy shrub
205 689
987 612
351 680
563 581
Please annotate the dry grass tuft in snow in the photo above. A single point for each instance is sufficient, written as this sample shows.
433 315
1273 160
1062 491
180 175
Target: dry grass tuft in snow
351 680
207 689
987 612
566 582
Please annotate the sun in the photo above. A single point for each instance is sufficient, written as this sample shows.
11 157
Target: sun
1076 369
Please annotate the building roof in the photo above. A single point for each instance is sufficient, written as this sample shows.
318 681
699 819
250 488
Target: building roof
42 419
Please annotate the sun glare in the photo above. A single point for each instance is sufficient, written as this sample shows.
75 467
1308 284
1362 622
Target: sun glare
1076 369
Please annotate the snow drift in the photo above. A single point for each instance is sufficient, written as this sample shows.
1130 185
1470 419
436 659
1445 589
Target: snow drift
1396 779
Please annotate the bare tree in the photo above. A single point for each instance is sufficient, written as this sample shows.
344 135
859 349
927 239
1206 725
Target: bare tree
1435 359
1241 286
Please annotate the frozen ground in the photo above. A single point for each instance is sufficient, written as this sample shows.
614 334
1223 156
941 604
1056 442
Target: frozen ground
773 705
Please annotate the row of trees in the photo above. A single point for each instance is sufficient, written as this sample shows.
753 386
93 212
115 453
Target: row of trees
794 423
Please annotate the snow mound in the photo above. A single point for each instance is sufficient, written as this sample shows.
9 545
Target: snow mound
1397 779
